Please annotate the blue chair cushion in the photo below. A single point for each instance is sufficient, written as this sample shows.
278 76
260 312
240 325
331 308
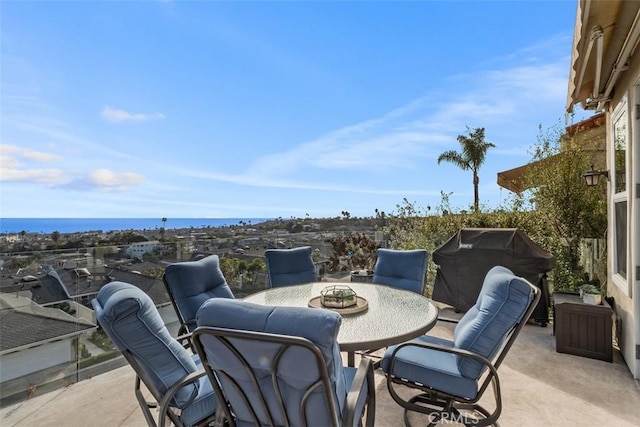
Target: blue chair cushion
287 267
194 282
130 318
404 269
432 368
297 365
501 304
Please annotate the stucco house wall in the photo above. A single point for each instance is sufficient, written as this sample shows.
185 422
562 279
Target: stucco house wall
626 293
605 76
27 361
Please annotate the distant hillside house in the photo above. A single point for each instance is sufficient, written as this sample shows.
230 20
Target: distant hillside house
137 250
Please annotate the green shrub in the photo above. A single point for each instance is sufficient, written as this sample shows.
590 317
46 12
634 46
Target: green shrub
98 358
358 247
101 339
431 231
557 212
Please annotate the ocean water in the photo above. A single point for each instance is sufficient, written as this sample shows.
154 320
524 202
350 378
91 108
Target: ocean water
73 225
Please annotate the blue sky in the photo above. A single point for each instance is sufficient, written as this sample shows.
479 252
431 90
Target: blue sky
268 109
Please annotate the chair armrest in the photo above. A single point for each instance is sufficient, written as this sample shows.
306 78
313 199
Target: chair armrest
361 394
166 399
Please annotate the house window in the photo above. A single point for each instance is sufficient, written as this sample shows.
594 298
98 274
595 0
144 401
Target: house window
619 194
620 149
621 238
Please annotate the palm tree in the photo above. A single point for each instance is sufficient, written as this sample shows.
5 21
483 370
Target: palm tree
162 230
474 151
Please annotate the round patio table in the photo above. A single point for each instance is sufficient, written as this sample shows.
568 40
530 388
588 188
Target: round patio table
393 315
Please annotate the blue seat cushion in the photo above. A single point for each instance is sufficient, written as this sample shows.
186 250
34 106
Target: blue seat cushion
432 368
501 304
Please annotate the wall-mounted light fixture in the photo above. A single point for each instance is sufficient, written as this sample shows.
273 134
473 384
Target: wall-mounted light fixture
592 176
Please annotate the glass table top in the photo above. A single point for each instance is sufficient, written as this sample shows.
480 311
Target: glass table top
393 315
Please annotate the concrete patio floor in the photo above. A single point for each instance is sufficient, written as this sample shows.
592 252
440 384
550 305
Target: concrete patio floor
540 388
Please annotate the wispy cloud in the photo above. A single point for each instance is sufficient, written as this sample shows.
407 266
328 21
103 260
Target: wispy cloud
108 180
115 115
403 138
17 165
52 129
404 141
411 135
46 177
297 184
40 157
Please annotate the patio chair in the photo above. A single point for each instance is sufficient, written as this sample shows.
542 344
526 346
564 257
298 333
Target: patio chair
281 366
191 283
286 267
453 375
404 269
175 379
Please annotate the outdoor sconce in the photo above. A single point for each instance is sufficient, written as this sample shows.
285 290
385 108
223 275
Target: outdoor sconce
592 177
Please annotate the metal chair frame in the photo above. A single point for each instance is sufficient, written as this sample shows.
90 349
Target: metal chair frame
162 401
444 406
364 375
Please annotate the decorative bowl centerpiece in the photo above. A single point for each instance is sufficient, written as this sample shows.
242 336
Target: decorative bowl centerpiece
338 296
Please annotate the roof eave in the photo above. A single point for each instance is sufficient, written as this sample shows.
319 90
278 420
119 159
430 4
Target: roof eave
605 36
577 63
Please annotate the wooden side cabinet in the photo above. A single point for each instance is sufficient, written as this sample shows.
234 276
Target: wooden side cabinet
582 329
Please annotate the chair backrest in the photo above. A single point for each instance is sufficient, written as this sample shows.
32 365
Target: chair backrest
287 267
404 269
191 283
489 327
275 365
130 318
